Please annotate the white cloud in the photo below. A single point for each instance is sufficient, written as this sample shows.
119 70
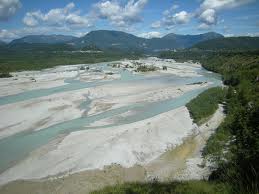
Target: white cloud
31 18
175 6
229 35
150 35
208 16
120 15
10 34
204 26
57 17
156 24
254 34
171 19
223 4
8 8
209 9
181 18
6 35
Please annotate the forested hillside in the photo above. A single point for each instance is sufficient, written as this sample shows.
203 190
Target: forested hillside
228 44
235 145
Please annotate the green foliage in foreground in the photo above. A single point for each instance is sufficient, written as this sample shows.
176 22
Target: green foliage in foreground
205 105
190 187
217 142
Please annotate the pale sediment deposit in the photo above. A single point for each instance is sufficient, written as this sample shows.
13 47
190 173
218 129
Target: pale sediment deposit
176 163
90 126
136 143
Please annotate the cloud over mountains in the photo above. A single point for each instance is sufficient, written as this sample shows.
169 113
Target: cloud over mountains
8 8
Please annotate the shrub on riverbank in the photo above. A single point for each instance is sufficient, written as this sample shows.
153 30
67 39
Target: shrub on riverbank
145 68
205 105
5 75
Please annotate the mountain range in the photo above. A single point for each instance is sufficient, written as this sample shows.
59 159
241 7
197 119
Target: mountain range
115 40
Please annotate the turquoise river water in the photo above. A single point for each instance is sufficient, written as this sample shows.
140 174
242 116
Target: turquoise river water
18 146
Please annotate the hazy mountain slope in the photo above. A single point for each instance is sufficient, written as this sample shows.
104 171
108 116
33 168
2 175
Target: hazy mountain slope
23 47
185 41
44 39
110 39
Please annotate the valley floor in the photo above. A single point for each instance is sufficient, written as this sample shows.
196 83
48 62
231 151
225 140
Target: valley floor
102 126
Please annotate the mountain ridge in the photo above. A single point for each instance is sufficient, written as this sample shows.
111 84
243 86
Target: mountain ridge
106 39
119 40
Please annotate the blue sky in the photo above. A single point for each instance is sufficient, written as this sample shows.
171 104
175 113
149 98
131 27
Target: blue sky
146 18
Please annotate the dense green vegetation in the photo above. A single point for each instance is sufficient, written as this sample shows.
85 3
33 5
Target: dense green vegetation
191 187
234 148
40 56
204 105
234 66
230 43
91 48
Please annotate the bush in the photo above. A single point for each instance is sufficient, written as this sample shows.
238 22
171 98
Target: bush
145 68
5 75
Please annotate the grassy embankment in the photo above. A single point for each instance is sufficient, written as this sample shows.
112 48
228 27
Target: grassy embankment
205 105
190 187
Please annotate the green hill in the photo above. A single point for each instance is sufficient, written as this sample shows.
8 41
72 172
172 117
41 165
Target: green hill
231 43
